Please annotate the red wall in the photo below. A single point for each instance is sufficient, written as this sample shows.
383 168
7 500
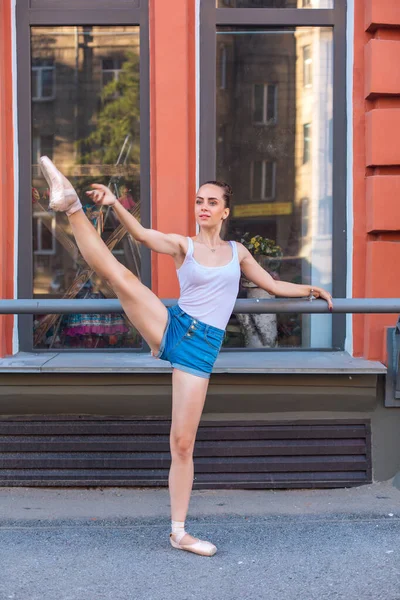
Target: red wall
173 137
376 167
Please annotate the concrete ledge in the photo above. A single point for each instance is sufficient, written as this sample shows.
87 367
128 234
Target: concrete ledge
284 361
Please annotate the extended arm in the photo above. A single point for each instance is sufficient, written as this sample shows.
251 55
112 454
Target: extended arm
255 273
165 243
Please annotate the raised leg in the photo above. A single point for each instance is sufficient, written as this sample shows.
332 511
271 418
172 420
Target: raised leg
143 308
188 397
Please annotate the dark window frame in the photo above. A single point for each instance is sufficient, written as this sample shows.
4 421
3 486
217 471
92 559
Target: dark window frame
79 12
210 18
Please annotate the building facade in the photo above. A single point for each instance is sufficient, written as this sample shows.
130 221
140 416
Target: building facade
294 103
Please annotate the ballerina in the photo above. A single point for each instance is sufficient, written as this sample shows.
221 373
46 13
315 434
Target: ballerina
190 334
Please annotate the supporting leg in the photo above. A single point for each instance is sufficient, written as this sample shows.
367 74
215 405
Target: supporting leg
188 397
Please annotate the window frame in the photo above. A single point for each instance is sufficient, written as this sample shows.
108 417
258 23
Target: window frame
335 18
79 12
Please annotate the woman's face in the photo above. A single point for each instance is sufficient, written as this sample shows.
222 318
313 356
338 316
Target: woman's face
210 206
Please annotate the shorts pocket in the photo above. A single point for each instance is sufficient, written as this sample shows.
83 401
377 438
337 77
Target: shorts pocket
181 333
213 339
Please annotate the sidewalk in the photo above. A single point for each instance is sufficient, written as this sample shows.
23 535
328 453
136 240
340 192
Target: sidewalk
112 543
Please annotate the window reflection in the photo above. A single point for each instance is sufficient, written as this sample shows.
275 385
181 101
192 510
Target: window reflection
85 117
43 79
274 121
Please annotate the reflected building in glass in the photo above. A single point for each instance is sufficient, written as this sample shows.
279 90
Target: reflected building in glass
313 167
274 146
85 117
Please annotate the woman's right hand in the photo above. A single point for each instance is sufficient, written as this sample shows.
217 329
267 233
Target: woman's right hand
101 195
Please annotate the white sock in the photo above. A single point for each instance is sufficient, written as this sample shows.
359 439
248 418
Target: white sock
178 527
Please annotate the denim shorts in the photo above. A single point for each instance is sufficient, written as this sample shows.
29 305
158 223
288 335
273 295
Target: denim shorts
189 344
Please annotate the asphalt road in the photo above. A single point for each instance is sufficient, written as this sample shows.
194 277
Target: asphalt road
113 544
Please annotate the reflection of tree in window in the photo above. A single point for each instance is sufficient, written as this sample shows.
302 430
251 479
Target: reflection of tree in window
117 118
307 66
264 103
306 142
43 79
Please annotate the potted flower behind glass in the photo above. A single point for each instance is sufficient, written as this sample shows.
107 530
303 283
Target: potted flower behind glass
265 251
260 330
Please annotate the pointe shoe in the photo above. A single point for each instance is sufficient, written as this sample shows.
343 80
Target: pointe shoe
199 547
63 197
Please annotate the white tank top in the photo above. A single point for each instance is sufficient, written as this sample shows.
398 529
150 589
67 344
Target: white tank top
209 293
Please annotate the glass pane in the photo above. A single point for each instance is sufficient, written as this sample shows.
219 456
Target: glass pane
47 82
288 162
258 115
90 128
47 238
108 77
274 3
269 181
34 83
307 65
306 142
271 103
257 180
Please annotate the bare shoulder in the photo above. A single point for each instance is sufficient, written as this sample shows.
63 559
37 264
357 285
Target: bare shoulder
242 251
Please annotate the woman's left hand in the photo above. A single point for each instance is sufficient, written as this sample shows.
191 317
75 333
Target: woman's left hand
321 293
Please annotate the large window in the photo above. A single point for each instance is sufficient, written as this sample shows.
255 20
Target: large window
280 118
87 112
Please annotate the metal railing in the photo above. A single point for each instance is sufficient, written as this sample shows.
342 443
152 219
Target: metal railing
255 306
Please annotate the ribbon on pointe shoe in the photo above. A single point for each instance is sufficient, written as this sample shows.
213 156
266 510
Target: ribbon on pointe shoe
200 547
